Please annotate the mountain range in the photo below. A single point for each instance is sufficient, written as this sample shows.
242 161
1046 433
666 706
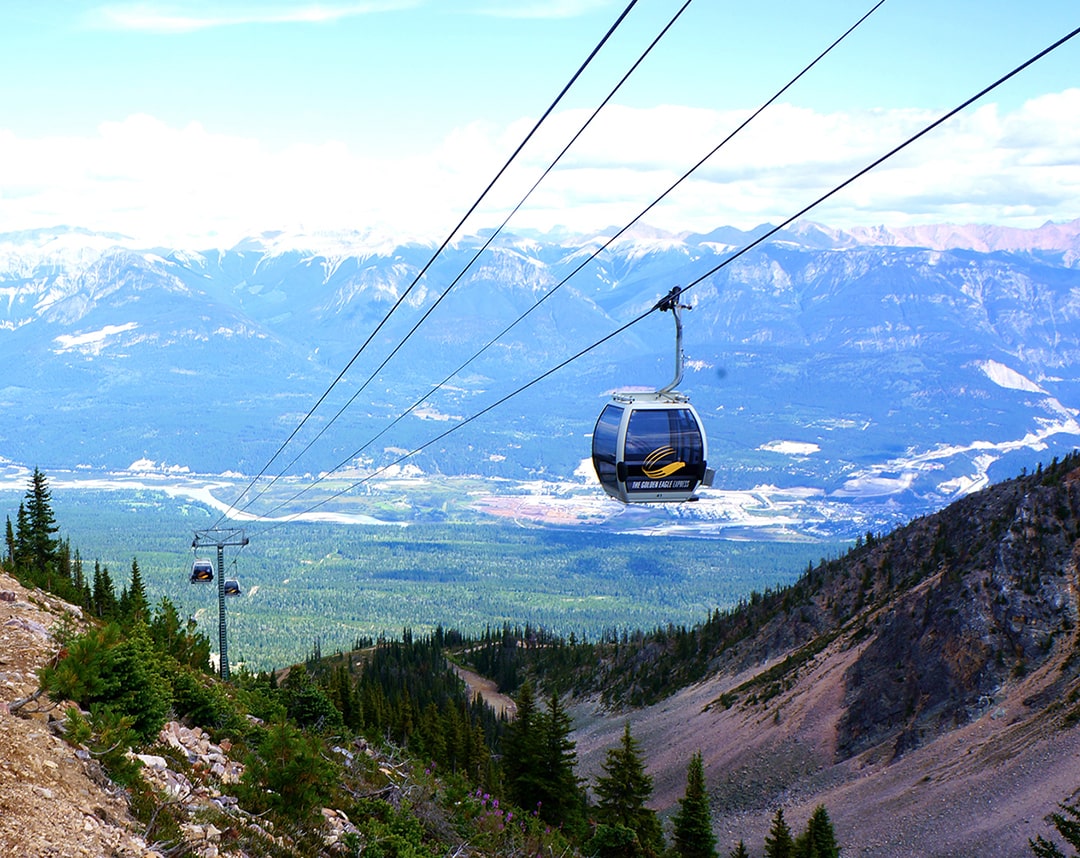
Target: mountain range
875 374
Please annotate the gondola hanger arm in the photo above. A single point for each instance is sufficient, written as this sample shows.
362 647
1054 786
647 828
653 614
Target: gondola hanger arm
671 301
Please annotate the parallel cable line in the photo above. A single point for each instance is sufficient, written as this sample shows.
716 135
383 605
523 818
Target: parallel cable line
495 233
756 242
592 256
430 262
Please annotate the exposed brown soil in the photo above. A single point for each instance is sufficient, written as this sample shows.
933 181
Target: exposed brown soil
980 790
53 800
487 690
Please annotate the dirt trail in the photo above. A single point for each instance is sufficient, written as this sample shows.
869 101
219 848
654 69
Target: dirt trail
489 692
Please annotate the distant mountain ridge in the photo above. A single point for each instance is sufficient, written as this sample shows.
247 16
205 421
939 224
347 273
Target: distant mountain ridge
877 374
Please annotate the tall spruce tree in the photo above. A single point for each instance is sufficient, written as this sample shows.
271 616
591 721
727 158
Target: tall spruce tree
105 604
563 801
22 531
778 842
693 833
623 790
739 851
521 747
136 607
9 542
38 539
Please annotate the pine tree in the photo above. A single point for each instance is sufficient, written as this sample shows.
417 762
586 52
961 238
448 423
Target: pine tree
105 604
819 839
9 541
623 790
38 540
137 607
78 580
561 797
778 842
694 836
22 531
521 751
1067 823
739 851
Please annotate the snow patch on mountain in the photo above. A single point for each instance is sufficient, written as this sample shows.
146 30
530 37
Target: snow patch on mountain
1008 378
790 448
91 342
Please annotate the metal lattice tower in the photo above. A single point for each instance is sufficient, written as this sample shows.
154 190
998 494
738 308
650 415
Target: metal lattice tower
221 537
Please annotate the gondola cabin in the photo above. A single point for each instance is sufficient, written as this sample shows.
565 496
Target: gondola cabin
202 572
650 447
231 587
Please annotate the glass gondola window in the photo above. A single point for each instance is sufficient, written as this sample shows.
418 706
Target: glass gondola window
663 445
606 444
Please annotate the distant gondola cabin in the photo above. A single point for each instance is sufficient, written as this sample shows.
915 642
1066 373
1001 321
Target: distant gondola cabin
202 572
231 587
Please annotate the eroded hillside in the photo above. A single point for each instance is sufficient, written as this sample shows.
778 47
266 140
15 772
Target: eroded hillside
924 687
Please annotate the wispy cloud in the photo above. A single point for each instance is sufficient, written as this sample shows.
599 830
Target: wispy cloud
541 8
195 16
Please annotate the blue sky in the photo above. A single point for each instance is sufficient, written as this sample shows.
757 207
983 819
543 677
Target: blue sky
200 122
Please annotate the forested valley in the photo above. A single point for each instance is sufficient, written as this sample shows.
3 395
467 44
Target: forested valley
385 731
334 583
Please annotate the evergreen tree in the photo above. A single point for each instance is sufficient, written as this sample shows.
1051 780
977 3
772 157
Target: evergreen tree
137 607
694 836
288 774
623 790
22 530
521 751
562 799
78 580
739 851
63 559
1067 823
306 703
9 541
819 839
778 842
38 538
105 668
186 644
105 605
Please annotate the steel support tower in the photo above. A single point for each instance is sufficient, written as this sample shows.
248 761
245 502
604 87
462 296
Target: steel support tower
221 537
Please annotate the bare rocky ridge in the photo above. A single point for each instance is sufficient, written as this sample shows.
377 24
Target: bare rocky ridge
52 801
55 800
982 789
926 689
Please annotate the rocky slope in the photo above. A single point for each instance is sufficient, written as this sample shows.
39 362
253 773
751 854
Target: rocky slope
925 688
53 800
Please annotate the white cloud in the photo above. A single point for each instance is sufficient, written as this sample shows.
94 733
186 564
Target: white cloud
540 8
156 182
189 17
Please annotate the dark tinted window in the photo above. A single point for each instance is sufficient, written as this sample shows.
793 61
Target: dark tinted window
663 445
605 441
